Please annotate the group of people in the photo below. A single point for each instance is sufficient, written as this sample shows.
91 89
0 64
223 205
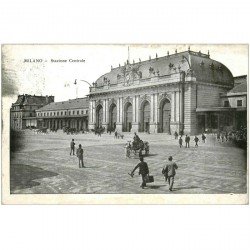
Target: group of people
79 153
222 136
169 172
187 140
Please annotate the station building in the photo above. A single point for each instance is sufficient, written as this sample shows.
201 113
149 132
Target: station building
56 115
180 92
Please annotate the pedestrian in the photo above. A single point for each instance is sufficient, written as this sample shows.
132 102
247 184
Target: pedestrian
169 172
72 147
196 139
218 136
127 150
203 137
181 133
226 136
180 142
175 135
140 153
79 154
116 134
143 171
222 137
187 140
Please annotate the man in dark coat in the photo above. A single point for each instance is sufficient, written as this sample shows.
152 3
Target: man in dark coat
72 147
143 171
203 137
180 142
175 135
169 172
79 154
187 140
196 139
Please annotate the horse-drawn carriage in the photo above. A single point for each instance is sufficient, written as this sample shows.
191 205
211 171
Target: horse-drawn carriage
41 130
139 146
98 131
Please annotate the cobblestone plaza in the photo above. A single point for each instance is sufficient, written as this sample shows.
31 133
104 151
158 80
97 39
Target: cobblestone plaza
43 166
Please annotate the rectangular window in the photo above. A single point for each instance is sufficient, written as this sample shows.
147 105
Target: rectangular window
73 112
77 112
65 112
239 103
69 112
82 112
226 103
61 113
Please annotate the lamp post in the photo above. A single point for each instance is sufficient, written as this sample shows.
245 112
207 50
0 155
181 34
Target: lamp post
77 86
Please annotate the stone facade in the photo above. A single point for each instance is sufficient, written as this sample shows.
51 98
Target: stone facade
23 111
161 95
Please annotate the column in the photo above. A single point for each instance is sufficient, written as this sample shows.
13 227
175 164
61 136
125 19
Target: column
135 122
105 110
119 115
92 115
173 125
152 114
156 108
137 108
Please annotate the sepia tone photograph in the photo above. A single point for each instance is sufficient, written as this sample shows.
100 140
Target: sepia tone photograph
125 119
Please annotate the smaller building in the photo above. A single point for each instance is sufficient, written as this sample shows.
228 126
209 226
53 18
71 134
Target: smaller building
23 111
57 115
232 112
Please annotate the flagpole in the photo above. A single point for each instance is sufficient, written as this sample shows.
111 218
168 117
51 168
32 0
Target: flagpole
128 55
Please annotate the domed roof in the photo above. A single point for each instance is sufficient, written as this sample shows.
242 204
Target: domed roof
201 66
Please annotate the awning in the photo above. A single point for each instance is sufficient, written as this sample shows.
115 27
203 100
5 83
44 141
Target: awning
215 109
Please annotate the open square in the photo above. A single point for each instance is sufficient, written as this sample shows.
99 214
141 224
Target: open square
44 166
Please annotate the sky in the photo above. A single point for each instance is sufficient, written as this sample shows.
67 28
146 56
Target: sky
57 78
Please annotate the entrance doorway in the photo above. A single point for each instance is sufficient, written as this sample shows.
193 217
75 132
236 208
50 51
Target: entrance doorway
99 116
128 117
165 116
145 117
112 117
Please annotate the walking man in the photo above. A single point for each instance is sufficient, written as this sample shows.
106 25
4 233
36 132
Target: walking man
203 137
180 142
72 147
196 139
143 171
175 135
169 172
79 154
187 140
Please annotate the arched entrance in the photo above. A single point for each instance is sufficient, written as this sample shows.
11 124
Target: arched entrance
128 115
145 116
165 116
112 116
99 116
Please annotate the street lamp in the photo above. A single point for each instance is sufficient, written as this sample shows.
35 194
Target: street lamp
77 86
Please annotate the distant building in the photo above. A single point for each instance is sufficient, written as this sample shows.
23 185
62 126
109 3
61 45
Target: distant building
22 112
240 79
72 114
236 101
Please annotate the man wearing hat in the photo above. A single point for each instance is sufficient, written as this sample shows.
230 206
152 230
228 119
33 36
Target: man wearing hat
169 172
143 171
79 154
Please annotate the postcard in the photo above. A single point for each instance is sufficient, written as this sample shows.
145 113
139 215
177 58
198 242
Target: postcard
124 124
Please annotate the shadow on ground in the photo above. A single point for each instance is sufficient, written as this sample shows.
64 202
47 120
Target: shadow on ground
181 188
155 186
23 176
